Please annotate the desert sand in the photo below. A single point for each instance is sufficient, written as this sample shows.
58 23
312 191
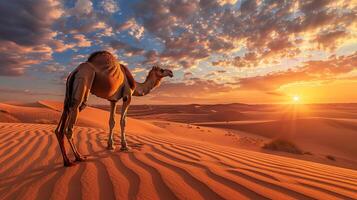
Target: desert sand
172 160
320 130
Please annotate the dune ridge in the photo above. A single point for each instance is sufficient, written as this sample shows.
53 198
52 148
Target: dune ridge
158 167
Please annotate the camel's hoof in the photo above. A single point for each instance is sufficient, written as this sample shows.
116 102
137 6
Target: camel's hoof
124 148
69 164
81 158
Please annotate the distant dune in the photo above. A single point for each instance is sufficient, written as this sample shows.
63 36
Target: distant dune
94 117
318 135
319 129
167 160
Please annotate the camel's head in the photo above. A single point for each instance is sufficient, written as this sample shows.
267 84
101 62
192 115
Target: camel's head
160 72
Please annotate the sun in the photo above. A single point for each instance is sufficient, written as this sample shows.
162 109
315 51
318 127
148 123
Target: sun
296 98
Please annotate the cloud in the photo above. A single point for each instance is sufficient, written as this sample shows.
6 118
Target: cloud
254 35
28 23
250 59
192 31
82 7
193 88
187 75
137 31
188 31
133 28
215 73
60 45
128 49
321 70
137 70
15 59
223 2
326 38
152 57
110 6
53 67
82 41
26 34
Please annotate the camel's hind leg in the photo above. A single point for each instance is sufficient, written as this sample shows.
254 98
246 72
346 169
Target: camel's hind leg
124 109
60 138
78 156
81 88
113 106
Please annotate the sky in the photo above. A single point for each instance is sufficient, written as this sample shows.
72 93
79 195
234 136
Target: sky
223 51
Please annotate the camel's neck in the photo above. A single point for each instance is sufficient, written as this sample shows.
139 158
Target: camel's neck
144 88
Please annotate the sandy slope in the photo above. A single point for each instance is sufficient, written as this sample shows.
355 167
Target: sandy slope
99 118
322 130
48 112
167 161
326 136
158 166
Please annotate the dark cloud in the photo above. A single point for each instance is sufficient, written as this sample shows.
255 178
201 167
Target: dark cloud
15 59
118 45
25 33
28 22
313 5
327 38
248 7
152 57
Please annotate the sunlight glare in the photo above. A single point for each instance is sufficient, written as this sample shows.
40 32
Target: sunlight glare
296 98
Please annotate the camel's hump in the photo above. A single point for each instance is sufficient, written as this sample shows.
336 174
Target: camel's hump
107 80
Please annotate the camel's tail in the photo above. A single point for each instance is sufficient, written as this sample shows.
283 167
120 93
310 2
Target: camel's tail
66 104
129 77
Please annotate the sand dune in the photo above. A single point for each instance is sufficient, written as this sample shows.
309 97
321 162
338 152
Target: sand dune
319 135
28 114
158 166
99 118
49 112
167 160
323 130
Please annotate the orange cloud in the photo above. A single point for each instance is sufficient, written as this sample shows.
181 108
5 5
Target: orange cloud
312 70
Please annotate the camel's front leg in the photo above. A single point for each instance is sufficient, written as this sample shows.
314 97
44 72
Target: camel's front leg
113 106
124 109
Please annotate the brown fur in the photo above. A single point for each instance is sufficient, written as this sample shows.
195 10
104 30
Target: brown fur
152 73
109 72
111 61
97 53
129 76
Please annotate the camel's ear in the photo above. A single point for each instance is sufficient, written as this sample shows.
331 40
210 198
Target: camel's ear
155 67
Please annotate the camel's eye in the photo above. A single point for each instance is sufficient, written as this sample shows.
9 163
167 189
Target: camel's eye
161 70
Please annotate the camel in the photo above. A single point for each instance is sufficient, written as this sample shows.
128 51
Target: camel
104 77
